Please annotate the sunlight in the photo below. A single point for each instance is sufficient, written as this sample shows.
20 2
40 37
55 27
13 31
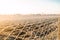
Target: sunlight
28 7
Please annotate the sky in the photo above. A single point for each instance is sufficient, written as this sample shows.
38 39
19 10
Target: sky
29 6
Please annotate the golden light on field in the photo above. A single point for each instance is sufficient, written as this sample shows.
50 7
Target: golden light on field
42 23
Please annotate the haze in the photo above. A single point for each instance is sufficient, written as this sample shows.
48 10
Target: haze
29 6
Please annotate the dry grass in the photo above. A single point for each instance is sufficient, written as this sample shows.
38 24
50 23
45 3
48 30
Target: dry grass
30 28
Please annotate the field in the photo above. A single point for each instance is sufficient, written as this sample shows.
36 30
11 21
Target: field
29 27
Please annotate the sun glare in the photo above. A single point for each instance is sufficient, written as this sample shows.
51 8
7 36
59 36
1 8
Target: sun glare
28 7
